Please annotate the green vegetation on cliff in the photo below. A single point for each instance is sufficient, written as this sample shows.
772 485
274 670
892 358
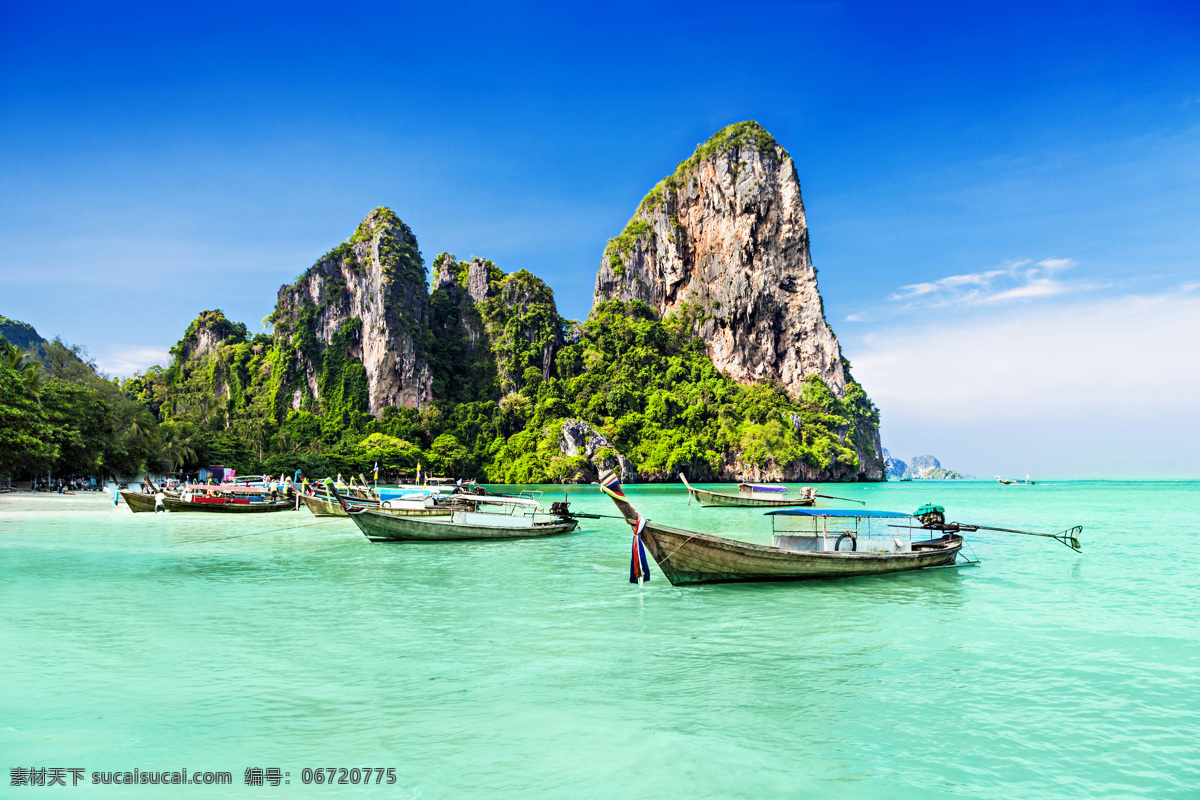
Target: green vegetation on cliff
499 404
748 135
504 369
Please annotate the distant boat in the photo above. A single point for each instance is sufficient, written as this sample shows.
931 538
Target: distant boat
752 495
1007 482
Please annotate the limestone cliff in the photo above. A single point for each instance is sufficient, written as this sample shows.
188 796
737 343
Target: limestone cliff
724 240
579 439
928 468
204 337
490 329
725 236
893 467
366 299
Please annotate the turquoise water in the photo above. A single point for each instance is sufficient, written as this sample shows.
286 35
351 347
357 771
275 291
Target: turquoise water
534 669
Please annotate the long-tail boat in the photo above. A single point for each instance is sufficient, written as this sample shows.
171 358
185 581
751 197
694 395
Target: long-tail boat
329 505
752 495
227 503
471 516
1016 482
137 501
809 544
824 544
325 506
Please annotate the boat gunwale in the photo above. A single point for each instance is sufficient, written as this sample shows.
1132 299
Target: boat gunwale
538 530
740 501
680 575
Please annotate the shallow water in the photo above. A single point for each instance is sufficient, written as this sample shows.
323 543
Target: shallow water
533 668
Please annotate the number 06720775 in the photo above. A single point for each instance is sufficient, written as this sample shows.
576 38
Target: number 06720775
348 775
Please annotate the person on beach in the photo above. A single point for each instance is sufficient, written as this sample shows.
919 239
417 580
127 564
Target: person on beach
159 502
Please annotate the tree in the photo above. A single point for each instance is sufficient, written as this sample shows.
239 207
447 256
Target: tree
24 430
175 449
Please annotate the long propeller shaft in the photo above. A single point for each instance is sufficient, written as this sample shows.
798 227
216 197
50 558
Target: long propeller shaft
847 499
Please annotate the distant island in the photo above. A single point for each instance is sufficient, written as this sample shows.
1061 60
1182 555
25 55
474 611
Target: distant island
706 352
920 468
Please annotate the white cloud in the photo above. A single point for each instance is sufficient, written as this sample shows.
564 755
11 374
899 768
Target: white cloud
1015 280
1098 388
859 317
124 361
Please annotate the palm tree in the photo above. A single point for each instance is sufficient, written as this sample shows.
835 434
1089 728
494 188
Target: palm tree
139 426
23 363
175 449
260 434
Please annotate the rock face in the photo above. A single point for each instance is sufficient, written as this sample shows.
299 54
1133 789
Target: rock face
726 237
377 278
926 468
491 325
465 286
920 466
206 334
581 439
725 241
894 467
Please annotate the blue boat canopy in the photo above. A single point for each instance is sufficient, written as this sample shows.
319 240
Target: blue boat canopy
832 512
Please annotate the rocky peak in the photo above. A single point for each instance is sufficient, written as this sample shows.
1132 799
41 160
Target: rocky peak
472 277
377 278
206 334
724 239
501 324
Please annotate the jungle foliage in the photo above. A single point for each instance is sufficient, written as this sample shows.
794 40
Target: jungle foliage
500 401
506 370
59 418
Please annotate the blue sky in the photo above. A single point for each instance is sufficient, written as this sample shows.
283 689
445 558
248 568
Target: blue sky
980 181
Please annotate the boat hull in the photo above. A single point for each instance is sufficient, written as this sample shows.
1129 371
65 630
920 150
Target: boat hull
383 525
138 502
324 507
719 499
259 507
688 558
716 499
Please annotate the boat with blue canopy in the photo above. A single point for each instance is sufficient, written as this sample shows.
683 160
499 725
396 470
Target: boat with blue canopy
807 544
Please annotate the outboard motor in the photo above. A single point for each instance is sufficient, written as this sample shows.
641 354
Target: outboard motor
560 508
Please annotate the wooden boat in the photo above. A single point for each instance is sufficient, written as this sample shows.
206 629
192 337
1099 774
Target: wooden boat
828 544
224 504
469 518
325 506
752 495
220 504
137 501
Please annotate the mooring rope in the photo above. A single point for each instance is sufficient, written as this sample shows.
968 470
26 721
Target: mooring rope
244 535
